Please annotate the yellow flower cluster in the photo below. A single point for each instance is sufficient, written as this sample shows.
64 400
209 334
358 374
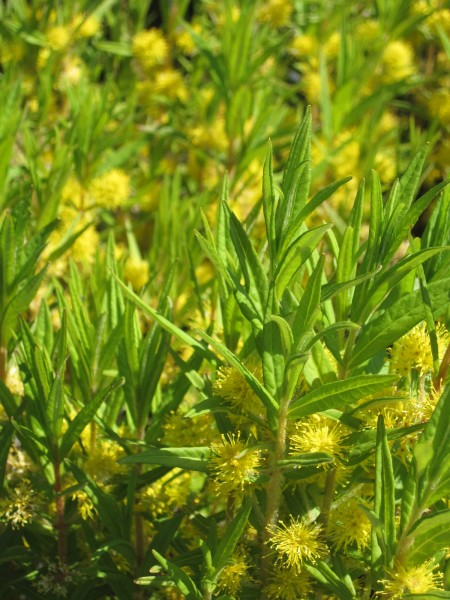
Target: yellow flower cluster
417 579
297 543
232 387
234 466
150 48
276 13
111 189
413 350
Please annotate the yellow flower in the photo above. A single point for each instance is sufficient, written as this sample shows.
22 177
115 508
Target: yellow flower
85 26
276 12
414 580
181 431
110 190
101 463
386 164
397 61
348 524
288 584
184 41
234 466
232 575
318 434
58 37
231 386
413 350
84 504
311 83
14 381
297 543
169 83
150 48
303 46
11 51
21 508
168 493
136 271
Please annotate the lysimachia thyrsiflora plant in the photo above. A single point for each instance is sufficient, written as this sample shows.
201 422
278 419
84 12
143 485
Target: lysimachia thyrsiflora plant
295 445
328 358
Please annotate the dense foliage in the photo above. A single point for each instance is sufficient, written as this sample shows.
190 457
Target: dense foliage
224 299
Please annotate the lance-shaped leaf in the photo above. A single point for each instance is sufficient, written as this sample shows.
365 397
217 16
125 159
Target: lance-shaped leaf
398 319
269 204
295 255
277 346
385 282
338 394
230 539
428 536
308 307
181 579
165 323
192 459
256 284
85 416
432 455
383 538
263 394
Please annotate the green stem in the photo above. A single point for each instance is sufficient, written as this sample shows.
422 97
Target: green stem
330 485
60 521
3 355
348 353
443 370
274 487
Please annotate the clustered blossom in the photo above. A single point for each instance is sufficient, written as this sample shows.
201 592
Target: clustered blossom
318 434
21 507
232 387
349 525
234 466
286 583
417 579
297 543
413 350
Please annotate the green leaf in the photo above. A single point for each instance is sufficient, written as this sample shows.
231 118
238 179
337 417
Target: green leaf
427 596
295 255
306 459
317 200
165 323
85 416
264 395
256 284
347 325
398 319
306 312
386 281
384 500
183 582
55 406
231 537
277 338
300 150
432 455
193 459
338 394
428 536
269 203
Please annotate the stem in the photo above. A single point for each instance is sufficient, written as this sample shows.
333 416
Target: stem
330 484
3 352
139 526
445 364
60 522
274 487
348 353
